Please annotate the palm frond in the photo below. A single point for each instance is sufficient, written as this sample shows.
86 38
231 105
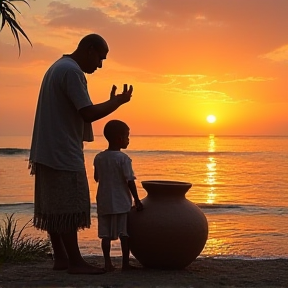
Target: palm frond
8 16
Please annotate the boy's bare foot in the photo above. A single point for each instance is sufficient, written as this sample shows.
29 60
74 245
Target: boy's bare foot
85 268
129 268
109 267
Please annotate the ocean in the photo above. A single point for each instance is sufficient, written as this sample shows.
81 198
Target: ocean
239 182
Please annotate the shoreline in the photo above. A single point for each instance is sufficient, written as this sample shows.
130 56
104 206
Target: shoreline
201 273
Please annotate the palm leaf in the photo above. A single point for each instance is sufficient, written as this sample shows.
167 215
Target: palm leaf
8 16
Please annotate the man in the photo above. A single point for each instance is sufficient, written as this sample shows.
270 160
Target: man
62 122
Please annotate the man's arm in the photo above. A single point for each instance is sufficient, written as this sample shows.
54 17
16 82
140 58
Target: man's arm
97 111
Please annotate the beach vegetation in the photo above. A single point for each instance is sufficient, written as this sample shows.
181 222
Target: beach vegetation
18 246
8 18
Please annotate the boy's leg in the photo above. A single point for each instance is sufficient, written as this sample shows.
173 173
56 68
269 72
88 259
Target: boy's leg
68 243
125 252
106 247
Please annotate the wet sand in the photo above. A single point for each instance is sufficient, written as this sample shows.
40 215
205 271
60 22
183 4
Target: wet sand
202 273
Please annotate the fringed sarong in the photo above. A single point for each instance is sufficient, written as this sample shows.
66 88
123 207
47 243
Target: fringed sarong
62 200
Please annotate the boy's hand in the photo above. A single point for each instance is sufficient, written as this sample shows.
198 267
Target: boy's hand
138 205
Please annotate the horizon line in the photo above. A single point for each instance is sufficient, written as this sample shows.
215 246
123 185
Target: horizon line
182 135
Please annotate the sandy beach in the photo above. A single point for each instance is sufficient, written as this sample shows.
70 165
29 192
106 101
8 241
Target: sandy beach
202 273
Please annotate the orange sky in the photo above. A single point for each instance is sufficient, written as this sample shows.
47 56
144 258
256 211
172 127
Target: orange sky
185 58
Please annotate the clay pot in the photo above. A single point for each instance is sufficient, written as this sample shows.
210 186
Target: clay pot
171 231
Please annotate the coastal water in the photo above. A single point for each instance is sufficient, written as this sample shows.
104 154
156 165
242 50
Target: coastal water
239 182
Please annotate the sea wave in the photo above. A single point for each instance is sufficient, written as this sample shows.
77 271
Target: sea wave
242 209
117 253
93 205
20 210
13 151
179 152
18 204
245 258
219 206
23 151
207 208
22 205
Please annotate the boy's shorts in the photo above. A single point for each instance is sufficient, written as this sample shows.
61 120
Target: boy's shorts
112 226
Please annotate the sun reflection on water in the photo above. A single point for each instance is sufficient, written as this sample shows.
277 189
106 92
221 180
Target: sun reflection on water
211 172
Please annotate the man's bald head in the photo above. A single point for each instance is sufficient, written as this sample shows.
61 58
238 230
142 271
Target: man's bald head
91 51
94 40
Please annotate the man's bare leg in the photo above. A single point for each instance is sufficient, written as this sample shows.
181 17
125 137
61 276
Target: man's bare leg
76 263
60 256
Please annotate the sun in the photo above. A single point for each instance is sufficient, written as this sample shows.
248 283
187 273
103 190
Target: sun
211 118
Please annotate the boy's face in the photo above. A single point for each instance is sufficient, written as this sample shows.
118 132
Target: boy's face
124 140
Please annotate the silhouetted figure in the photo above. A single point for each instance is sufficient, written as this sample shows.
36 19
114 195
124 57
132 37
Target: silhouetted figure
113 170
62 122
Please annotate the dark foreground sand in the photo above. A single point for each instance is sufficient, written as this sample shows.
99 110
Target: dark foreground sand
204 273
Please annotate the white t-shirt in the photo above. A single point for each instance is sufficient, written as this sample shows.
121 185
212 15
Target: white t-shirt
59 130
113 169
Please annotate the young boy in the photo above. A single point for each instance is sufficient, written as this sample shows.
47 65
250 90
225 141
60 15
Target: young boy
113 171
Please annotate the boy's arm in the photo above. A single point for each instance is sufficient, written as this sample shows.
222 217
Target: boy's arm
133 190
95 174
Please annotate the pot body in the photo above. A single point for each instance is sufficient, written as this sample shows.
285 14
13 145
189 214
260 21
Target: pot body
171 231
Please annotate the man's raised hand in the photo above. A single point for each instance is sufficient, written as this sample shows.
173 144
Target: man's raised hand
124 96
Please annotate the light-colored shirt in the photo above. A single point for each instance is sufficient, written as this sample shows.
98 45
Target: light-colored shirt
113 170
59 130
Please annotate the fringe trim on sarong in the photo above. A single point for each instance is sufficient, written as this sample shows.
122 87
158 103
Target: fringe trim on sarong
62 223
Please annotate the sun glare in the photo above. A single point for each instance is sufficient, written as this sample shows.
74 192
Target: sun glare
211 118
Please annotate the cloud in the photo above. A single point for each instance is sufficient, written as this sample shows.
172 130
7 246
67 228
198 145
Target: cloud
183 37
121 11
66 16
278 55
205 96
179 12
35 55
160 36
210 89
237 14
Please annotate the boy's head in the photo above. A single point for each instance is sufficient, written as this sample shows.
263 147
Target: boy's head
117 133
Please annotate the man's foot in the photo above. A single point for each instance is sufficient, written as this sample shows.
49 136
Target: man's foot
60 265
85 268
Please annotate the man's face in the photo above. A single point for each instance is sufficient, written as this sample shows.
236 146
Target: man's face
95 58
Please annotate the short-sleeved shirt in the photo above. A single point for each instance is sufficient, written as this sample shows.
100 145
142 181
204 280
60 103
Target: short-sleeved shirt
113 170
59 130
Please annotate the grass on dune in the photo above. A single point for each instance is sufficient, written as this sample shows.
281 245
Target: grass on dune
16 246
